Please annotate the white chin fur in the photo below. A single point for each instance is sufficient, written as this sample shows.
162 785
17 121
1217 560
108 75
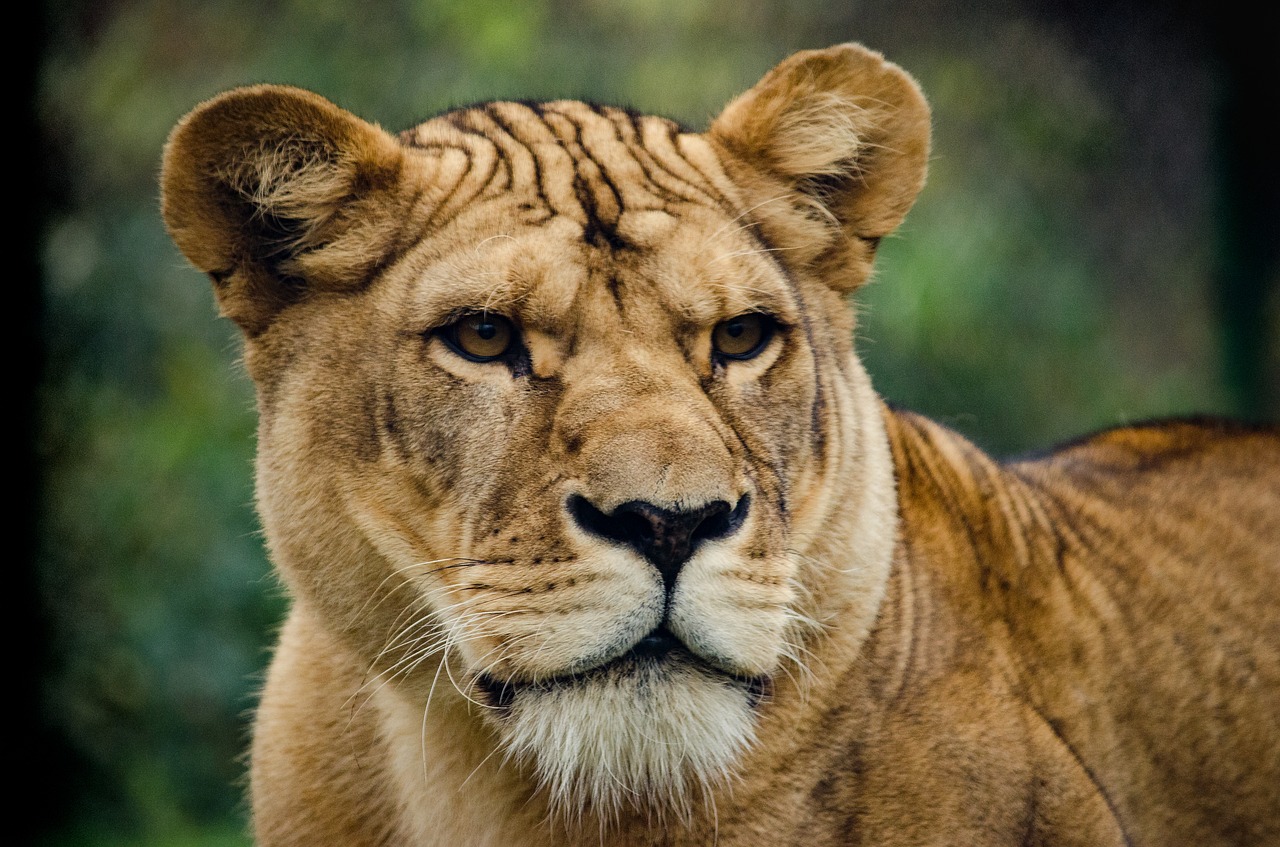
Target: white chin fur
652 737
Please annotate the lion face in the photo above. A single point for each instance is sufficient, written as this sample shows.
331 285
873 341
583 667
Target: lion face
620 498
556 400
575 463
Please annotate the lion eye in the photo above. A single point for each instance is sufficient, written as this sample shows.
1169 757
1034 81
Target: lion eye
480 337
743 337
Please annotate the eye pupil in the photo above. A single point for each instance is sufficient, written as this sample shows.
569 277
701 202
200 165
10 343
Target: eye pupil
742 337
480 337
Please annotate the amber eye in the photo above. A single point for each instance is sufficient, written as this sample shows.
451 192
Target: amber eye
743 337
480 337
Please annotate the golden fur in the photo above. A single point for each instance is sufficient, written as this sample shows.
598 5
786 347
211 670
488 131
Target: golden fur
595 530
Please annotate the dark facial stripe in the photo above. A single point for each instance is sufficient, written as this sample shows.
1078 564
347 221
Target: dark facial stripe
480 124
817 414
664 187
528 168
654 143
600 195
775 487
391 430
601 202
513 146
614 285
697 176
822 361
482 161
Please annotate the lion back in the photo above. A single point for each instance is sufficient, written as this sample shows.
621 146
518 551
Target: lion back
1166 539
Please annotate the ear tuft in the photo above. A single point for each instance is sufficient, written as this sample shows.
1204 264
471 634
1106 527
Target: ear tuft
843 136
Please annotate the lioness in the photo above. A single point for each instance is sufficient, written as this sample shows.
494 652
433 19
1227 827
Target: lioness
596 531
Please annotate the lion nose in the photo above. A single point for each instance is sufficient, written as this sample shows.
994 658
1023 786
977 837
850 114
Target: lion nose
667 538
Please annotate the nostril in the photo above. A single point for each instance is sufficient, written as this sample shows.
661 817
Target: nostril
587 516
635 525
625 526
722 522
665 537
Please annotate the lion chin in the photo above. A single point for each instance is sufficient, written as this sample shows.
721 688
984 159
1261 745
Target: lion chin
651 731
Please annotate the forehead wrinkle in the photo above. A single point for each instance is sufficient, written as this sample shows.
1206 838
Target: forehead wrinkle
753 286
469 280
703 292
446 291
498 270
550 297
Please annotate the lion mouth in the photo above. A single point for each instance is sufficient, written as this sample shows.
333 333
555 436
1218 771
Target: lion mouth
659 648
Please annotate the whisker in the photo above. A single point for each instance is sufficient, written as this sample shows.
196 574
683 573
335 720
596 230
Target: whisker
426 709
752 252
742 215
474 770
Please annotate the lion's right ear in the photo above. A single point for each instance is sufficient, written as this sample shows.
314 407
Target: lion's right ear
277 193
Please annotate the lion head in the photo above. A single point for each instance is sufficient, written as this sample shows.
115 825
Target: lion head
559 408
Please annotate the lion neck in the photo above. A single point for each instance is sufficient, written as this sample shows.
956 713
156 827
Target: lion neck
976 528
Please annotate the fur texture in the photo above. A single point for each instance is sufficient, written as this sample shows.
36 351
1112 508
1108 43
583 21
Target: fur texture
596 531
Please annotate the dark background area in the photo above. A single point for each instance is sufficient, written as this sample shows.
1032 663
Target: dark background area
1097 245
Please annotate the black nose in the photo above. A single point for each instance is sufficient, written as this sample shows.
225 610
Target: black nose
665 537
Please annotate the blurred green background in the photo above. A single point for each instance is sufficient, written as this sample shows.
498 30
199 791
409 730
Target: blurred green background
1096 245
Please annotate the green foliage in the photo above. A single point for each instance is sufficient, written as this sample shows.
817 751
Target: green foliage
994 310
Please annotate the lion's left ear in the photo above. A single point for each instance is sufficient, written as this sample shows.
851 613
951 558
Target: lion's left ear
840 135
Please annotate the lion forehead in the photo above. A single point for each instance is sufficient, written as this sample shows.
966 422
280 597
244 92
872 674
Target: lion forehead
602 167
563 199
551 281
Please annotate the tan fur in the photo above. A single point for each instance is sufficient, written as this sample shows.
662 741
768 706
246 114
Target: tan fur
874 634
